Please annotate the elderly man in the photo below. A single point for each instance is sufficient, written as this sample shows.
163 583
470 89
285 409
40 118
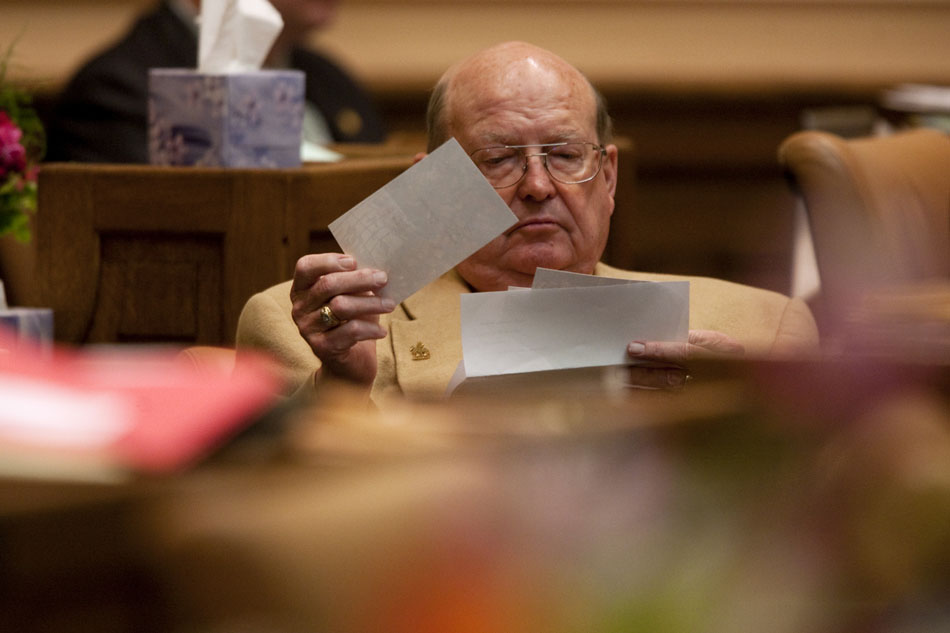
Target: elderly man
517 103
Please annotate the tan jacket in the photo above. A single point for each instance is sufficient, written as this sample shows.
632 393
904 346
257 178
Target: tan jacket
769 324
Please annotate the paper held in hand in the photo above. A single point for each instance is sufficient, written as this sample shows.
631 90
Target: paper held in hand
424 221
565 321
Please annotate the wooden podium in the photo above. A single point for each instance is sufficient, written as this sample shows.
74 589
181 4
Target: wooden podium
163 254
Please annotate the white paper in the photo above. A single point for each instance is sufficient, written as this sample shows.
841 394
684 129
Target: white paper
562 328
579 382
550 278
424 221
236 35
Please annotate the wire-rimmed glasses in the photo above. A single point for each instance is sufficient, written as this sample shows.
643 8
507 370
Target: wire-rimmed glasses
568 163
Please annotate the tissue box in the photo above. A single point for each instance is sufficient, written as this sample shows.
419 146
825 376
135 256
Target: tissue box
248 119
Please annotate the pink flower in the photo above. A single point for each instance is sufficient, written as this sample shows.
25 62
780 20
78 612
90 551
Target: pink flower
12 153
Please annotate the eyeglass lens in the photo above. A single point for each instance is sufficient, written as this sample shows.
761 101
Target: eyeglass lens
568 163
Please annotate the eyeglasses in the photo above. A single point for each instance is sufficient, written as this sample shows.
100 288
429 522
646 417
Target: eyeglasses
568 163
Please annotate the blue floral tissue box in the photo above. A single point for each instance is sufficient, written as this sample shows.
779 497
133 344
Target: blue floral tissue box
251 119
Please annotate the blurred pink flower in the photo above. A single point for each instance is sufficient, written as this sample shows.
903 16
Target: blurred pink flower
22 143
12 152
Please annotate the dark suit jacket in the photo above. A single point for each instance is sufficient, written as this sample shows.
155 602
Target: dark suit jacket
102 113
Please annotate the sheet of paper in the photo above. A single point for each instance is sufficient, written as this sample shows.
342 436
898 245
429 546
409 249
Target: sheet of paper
561 328
550 278
424 221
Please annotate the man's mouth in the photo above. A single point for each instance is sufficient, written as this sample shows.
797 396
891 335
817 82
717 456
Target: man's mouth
535 224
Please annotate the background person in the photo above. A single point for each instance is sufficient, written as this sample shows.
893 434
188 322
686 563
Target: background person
513 94
102 113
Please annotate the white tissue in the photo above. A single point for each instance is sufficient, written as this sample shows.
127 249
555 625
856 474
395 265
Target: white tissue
236 35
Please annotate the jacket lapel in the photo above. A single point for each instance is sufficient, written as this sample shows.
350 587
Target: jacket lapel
428 346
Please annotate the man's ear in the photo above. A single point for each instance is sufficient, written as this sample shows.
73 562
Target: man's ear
418 157
610 168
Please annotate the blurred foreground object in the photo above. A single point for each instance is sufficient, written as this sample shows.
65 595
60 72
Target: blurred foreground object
780 497
109 413
776 496
909 321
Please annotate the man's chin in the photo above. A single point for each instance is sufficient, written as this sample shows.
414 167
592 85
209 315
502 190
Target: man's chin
531 259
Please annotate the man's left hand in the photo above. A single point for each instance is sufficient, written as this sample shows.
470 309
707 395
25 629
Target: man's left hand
666 364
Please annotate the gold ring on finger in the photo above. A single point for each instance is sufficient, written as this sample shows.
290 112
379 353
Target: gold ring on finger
327 318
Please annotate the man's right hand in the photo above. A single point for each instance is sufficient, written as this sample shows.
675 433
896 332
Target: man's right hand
347 350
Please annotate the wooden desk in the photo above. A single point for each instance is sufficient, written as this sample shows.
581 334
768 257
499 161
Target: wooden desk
139 254
150 254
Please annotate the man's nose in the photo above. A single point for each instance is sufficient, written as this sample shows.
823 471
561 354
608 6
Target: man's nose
537 182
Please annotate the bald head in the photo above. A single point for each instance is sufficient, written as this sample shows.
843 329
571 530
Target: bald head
503 73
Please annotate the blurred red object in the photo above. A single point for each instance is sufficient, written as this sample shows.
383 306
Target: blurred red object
106 412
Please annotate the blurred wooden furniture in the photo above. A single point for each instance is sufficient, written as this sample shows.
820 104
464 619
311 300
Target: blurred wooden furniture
149 254
879 210
17 261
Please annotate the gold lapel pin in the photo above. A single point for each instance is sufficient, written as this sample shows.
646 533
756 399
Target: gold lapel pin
419 351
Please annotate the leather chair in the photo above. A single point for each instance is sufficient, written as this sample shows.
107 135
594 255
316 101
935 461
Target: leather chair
878 208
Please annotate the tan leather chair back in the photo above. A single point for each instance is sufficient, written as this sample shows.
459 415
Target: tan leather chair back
879 208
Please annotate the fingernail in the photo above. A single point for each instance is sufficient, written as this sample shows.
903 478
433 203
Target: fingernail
379 277
388 305
635 349
346 262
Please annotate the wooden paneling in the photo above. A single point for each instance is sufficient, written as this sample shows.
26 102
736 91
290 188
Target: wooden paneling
711 197
147 254
157 288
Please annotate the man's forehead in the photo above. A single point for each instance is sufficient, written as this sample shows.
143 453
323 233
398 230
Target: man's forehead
484 97
508 119
515 136
517 78
516 93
